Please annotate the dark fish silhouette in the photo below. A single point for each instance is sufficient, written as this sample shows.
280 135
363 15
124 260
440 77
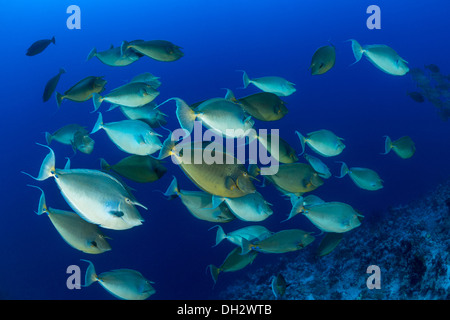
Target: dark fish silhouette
39 46
416 96
51 85
432 67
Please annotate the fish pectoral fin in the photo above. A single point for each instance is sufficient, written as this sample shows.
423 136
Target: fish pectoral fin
141 139
230 183
116 213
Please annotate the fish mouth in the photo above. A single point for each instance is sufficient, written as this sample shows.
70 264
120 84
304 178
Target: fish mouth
246 188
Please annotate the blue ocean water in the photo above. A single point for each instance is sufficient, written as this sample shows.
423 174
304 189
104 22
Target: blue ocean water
358 102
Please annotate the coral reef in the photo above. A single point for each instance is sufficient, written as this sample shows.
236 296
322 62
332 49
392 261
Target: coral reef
409 243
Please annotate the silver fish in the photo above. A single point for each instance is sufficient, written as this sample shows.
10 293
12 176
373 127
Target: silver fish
97 197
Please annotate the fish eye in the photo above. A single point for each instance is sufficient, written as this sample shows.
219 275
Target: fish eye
245 174
128 200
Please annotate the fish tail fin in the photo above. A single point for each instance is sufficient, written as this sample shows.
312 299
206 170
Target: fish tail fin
105 166
62 70
245 79
172 191
156 107
97 99
53 40
387 145
91 276
47 168
42 208
254 170
296 202
220 235
99 124
214 272
92 54
216 201
124 46
59 98
331 43
48 138
230 95
185 115
357 50
344 170
167 148
246 246
302 141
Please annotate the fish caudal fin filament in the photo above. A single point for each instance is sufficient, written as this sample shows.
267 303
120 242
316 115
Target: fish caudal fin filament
47 168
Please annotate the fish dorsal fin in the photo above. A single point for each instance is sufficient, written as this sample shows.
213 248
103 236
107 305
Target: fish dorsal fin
230 183
230 95
42 208
67 166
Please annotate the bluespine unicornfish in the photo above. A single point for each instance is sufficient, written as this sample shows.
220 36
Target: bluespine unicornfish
96 196
126 284
381 56
273 84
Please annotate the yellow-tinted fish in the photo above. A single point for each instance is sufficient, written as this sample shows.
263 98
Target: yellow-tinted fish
296 178
284 153
223 175
333 216
160 50
323 60
124 284
133 94
82 90
324 142
137 168
264 106
404 147
78 233
280 242
364 178
234 261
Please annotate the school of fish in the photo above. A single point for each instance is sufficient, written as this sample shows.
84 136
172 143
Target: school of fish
221 191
